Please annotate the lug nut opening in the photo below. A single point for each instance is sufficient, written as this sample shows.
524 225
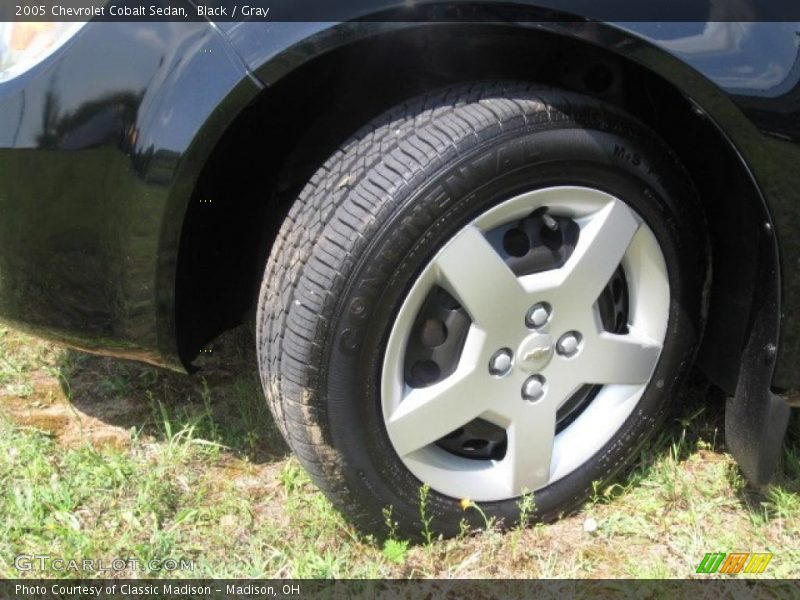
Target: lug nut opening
501 361
569 344
538 315
534 388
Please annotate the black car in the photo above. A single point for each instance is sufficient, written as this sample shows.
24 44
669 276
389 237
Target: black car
481 245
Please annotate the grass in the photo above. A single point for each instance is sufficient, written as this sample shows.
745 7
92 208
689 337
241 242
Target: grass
106 459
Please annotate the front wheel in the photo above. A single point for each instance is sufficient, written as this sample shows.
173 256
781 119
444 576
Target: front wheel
491 290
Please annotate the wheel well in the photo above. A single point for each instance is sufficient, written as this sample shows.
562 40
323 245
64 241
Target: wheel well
276 144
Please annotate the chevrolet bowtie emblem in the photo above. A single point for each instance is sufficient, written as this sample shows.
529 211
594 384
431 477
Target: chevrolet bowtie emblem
538 353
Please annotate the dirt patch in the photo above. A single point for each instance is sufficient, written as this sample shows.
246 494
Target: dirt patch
49 410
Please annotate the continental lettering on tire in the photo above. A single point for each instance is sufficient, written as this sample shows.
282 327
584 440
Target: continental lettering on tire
734 563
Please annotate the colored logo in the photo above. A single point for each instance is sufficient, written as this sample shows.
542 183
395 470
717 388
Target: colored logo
733 563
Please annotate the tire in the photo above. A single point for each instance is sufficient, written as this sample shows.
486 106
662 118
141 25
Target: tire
388 209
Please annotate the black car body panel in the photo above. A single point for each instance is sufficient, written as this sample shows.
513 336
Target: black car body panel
101 147
99 151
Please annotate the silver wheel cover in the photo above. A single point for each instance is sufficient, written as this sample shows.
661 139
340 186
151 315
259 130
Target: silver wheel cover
468 267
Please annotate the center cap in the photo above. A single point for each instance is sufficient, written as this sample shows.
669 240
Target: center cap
535 352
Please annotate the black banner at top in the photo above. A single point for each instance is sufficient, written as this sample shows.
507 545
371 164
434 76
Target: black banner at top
401 10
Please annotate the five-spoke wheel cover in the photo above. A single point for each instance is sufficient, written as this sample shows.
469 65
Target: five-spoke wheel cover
530 344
